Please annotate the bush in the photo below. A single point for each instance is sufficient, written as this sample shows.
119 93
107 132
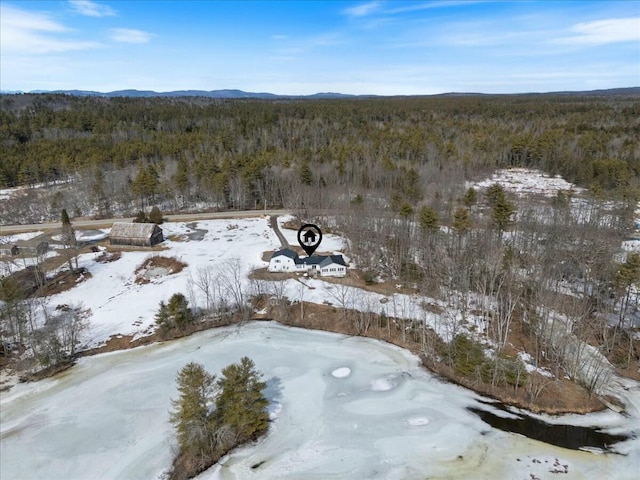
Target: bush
369 277
155 216
141 217
467 358
176 315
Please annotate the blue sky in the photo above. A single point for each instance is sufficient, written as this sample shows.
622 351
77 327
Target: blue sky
294 47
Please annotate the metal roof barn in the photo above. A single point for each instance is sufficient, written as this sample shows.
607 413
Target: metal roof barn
138 234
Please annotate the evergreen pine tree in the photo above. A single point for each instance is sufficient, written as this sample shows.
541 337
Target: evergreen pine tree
629 271
470 197
162 318
501 212
181 177
405 210
495 192
412 189
179 311
501 208
306 176
64 218
68 238
174 315
241 403
462 220
429 221
190 415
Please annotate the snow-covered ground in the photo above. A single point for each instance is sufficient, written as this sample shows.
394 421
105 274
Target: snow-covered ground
330 243
9 239
121 306
396 305
527 181
342 408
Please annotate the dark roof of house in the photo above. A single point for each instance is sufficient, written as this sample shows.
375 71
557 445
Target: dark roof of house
287 252
329 259
313 260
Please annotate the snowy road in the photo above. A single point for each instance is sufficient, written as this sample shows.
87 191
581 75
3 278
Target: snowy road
342 407
186 217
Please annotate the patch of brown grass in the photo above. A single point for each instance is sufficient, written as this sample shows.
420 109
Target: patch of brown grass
63 281
633 372
47 372
291 225
354 278
133 248
264 274
171 264
178 238
108 257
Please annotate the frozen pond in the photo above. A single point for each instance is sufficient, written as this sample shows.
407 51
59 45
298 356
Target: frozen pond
342 408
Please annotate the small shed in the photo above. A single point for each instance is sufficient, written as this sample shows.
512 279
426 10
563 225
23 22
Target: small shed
42 248
33 248
138 234
9 250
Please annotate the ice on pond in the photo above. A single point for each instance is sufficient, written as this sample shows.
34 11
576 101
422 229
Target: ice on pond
108 416
342 372
417 421
388 382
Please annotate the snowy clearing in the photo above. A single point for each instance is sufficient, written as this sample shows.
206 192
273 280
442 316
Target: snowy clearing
17 237
525 181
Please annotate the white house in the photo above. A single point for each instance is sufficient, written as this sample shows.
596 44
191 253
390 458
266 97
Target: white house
286 260
333 266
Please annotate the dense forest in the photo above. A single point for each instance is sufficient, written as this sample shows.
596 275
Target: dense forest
394 177
236 154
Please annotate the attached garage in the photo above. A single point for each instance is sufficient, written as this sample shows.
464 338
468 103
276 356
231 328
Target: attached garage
137 234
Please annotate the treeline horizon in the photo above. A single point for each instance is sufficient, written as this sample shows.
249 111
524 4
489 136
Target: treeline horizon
365 143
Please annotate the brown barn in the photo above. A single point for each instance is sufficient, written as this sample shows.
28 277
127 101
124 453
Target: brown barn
139 234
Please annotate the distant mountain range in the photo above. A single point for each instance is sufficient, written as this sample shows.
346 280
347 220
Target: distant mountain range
188 93
264 95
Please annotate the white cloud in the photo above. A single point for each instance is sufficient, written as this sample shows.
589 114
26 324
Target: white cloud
15 18
369 8
34 33
435 4
327 40
601 32
362 9
128 35
91 9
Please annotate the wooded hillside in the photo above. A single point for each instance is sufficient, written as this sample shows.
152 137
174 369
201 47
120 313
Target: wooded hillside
241 153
